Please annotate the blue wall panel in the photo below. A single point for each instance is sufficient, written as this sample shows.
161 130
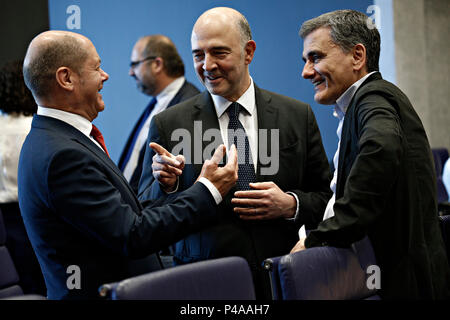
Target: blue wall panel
115 25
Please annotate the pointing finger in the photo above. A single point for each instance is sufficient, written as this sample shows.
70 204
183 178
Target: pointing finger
232 156
218 154
159 149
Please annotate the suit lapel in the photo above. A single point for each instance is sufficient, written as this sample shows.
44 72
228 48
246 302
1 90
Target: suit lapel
178 96
204 118
130 139
347 135
267 119
63 129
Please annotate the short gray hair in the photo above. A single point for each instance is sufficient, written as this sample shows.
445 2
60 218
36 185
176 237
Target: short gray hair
347 29
244 30
39 72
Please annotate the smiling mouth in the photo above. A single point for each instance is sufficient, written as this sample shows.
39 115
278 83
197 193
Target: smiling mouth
318 82
212 78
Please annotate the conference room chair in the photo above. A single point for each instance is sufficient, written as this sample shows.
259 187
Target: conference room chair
9 278
217 279
325 273
445 228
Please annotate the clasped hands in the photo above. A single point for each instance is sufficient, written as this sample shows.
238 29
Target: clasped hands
265 201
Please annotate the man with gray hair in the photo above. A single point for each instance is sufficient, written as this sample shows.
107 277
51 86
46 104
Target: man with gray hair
384 184
258 222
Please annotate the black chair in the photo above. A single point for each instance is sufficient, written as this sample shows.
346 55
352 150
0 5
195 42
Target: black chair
9 278
324 273
218 279
445 228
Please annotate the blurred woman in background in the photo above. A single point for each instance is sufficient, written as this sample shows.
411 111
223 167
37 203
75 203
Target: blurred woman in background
16 109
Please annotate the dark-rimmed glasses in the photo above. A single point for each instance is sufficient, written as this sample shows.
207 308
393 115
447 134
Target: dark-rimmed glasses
134 64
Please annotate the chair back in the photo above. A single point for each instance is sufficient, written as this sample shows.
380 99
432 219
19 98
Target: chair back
218 279
445 228
324 273
9 278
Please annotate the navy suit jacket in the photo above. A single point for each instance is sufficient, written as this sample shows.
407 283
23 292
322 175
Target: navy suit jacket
303 169
79 210
188 90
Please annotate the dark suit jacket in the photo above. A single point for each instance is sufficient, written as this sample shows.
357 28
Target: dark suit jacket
303 169
386 189
79 210
186 91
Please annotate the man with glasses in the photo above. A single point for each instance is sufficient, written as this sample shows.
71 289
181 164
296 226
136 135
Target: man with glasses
159 72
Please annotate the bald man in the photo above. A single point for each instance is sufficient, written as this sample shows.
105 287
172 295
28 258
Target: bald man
258 222
83 219
159 72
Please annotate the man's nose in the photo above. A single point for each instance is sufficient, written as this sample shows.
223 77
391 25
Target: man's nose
105 75
308 70
209 63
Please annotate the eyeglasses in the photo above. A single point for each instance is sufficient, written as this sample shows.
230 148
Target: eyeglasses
134 64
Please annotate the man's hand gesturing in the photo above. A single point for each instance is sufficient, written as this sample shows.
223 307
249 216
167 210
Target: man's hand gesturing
166 167
223 178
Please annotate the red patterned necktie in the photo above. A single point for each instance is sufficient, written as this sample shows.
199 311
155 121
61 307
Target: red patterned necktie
97 135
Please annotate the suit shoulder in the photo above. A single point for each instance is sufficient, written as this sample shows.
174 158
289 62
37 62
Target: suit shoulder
191 88
175 110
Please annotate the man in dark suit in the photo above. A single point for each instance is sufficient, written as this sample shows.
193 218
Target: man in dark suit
83 219
384 185
293 180
159 72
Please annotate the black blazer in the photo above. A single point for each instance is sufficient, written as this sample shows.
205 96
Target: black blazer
386 189
186 91
79 210
303 169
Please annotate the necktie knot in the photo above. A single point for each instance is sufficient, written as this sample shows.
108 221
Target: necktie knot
233 111
97 135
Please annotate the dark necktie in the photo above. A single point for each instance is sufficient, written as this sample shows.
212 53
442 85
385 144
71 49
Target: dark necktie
144 118
97 135
238 136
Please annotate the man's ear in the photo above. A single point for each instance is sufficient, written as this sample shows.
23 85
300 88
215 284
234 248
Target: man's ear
249 50
359 57
65 78
157 65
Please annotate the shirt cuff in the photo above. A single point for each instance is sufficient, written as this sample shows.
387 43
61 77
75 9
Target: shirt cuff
214 192
297 202
176 188
302 232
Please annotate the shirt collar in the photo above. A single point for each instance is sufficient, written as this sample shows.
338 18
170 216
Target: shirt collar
171 89
343 101
75 120
247 100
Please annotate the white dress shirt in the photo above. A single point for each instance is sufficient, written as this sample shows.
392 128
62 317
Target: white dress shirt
163 99
78 122
249 119
13 131
339 112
